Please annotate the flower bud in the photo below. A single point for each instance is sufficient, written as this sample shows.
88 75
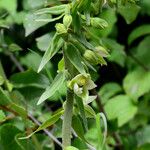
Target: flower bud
60 28
67 20
101 51
90 57
98 23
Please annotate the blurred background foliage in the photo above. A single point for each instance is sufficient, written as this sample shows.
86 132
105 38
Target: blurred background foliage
123 85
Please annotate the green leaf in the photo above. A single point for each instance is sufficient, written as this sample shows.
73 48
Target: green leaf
89 111
129 12
10 6
14 47
143 136
8 140
99 132
55 10
136 83
71 148
117 52
46 124
18 109
120 108
109 90
55 86
30 23
4 98
2 116
29 78
78 127
53 48
142 52
2 80
43 42
75 58
80 105
138 32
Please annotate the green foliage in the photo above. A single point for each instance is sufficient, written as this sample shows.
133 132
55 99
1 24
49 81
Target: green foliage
75 70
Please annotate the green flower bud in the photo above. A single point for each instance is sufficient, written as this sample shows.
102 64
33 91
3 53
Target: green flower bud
67 20
102 51
60 28
98 23
91 57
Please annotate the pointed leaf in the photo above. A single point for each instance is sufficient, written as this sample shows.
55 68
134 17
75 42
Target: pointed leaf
55 85
75 58
53 48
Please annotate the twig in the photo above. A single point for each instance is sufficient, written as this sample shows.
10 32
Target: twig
15 61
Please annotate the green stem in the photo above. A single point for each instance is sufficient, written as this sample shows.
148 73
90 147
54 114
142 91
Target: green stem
66 129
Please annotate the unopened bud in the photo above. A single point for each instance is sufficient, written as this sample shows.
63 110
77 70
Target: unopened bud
98 23
102 51
67 20
90 57
60 28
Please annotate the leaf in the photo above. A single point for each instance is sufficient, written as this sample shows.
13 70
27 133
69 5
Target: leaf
53 48
109 90
29 78
8 5
129 12
14 47
80 105
138 32
71 148
136 83
75 58
142 52
99 132
4 99
143 136
55 85
120 108
55 10
89 111
78 127
2 116
46 124
43 42
30 23
117 52
8 140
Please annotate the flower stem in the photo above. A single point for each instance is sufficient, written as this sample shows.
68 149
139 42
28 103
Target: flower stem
66 129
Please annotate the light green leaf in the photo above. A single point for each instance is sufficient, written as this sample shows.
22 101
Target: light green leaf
120 108
143 136
14 47
10 6
80 105
138 32
89 111
129 12
109 90
4 98
29 78
2 116
53 48
78 127
142 52
136 83
71 148
117 52
1 80
30 23
47 123
44 41
55 85
75 58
